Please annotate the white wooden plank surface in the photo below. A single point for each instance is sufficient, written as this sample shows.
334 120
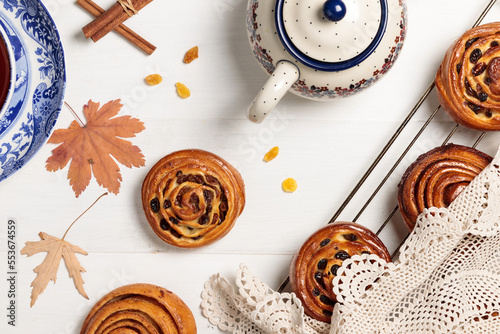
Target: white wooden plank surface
325 146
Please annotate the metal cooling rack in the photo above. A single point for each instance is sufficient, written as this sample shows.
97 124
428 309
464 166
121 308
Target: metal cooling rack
386 148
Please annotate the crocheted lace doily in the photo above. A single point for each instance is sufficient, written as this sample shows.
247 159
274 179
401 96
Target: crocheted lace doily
446 280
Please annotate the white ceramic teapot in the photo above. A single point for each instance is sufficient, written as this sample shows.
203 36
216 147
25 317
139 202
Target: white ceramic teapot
322 50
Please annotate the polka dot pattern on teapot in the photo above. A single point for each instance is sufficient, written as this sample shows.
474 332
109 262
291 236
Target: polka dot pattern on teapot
318 38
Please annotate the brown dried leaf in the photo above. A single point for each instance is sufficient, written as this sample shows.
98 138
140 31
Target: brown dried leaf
92 148
56 249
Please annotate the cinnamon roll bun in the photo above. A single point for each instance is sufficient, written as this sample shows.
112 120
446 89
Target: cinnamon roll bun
140 308
468 79
316 263
192 198
437 177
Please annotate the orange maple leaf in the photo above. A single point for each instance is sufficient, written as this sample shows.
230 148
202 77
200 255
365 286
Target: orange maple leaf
91 148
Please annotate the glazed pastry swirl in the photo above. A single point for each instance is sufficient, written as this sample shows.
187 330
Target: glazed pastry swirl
140 308
468 79
192 198
315 265
437 177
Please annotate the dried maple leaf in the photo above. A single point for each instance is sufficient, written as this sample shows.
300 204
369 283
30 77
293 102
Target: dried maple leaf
56 249
92 147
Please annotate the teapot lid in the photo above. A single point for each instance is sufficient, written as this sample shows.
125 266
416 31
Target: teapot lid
331 36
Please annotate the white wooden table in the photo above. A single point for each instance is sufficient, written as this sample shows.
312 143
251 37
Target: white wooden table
326 147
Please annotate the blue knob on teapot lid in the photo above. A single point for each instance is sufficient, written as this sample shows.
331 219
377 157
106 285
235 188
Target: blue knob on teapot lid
334 10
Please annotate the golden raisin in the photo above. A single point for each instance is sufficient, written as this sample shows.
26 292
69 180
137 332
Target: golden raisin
289 185
273 153
191 55
182 90
153 79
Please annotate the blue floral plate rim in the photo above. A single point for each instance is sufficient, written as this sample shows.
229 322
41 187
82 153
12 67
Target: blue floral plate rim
29 130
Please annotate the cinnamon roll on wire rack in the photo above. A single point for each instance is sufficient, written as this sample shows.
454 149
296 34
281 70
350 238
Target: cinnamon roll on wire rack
437 177
315 265
468 79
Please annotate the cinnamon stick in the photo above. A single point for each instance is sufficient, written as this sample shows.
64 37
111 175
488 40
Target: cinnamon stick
110 19
123 30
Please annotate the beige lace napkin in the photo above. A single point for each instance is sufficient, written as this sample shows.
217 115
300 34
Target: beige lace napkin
446 280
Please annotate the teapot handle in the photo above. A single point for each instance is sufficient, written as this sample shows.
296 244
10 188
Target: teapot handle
283 77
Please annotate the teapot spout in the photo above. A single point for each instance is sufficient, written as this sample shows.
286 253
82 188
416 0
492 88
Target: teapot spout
283 77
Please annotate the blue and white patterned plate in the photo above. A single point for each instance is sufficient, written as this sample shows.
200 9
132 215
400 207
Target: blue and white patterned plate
40 82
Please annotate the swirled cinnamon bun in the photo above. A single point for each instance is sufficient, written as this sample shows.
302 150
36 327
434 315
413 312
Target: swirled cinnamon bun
192 198
437 177
316 263
468 79
140 308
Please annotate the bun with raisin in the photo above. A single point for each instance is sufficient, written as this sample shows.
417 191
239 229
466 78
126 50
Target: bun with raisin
192 198
315 265
468 79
